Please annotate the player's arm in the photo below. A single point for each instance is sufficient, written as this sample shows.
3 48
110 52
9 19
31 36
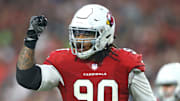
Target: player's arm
31 75
139 86
28 74
26 56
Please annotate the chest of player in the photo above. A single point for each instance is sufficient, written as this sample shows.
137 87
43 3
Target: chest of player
105 81
109 69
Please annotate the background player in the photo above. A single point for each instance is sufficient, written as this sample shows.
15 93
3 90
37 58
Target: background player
168 82
93 69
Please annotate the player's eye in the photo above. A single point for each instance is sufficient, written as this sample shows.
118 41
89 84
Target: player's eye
77 33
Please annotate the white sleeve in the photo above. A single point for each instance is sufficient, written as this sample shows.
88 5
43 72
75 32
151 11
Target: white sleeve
50 77
139 86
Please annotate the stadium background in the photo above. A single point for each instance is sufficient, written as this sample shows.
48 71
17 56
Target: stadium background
150 27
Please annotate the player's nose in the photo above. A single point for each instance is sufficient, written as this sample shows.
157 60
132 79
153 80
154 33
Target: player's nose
80 37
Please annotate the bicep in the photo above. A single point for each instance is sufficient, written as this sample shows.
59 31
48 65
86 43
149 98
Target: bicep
139 86
39 77
29 78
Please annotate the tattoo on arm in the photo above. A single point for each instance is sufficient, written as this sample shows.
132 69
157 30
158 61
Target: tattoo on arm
26 58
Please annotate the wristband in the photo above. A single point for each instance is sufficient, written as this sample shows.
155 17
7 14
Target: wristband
31 39
30 44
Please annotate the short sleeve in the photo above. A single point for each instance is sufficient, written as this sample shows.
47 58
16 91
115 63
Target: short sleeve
50 77
137 63
133 60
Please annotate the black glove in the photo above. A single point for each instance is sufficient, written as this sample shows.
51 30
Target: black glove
36 27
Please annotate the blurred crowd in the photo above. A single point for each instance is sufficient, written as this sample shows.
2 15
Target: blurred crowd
150 27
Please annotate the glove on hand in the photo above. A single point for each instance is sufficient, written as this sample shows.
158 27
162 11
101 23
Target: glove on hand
36 27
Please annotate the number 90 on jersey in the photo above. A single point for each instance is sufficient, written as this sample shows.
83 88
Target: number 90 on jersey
100 90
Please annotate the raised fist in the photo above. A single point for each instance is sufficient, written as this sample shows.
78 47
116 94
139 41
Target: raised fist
36 27
38 23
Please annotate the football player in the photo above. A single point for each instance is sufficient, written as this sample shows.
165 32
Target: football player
92 69
168 82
